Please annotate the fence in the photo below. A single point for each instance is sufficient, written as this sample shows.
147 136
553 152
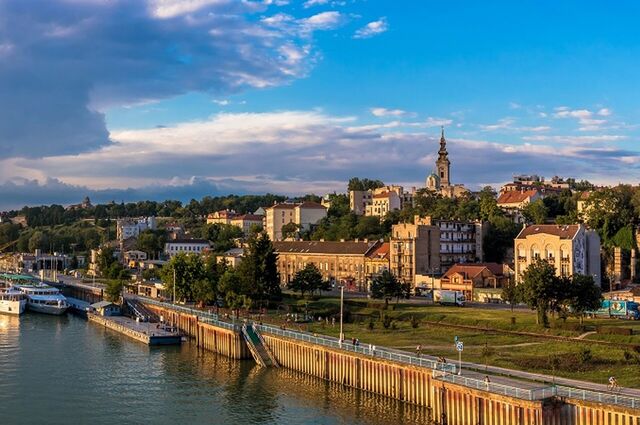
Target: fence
599 397
406 358
507 390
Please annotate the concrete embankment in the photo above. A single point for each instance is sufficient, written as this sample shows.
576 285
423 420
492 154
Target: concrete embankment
447 398
146 333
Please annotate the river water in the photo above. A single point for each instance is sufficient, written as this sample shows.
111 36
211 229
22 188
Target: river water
65 370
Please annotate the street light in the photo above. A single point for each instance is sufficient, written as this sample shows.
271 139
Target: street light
341 312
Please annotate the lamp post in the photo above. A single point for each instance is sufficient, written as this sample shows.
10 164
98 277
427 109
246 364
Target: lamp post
341 312
174 284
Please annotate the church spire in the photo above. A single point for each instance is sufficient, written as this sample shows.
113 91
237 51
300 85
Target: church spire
443 145
442 164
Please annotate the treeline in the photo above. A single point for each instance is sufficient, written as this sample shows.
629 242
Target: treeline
252 283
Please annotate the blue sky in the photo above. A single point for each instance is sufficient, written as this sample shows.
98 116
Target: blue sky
179 99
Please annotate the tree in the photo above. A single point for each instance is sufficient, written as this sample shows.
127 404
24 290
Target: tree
386 286
511 293
203 291
114 290
538 288
308 279
356 183
259 268
233 286
188 268
536 212
290 230
585 295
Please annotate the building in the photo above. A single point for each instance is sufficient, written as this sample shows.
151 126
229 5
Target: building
479 282
188 246
414 250
133 257
377 261
106 308
84 205
571 249
304 215
343 263
174 231
525 182
440 181
514 201
383 203
221 217
247 221
460 241
380 201
232 257
131 228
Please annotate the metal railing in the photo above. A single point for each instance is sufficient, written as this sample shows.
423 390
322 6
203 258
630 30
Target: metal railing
599 397
506 390
447 370
368 349
203 316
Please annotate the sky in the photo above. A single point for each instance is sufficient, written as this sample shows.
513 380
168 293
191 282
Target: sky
179 99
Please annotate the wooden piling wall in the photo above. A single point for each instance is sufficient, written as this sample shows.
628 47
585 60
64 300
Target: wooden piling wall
447 403
212 338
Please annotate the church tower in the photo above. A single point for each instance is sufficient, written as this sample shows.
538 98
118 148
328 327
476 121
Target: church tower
442 164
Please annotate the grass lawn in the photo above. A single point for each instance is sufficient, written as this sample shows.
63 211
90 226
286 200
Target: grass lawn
583 360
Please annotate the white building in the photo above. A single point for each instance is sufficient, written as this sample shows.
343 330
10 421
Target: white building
304 215
132 227
188 246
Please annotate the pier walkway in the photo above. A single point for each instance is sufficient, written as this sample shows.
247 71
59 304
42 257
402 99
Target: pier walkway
146 332
259 349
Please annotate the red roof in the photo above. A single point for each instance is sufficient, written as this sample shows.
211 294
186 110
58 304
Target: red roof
310 204
568 231
249 217
516 196
469 271
381 252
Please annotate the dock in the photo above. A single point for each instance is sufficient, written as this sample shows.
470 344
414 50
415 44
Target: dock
145 332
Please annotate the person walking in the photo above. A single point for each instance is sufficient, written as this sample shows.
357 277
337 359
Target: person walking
487 381
419 350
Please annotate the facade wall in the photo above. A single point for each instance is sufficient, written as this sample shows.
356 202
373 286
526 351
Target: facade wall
414 250
276 217
341 268
306 217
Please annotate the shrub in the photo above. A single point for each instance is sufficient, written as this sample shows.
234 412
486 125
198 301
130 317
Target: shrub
371 324
394 326
585 355
386 321
414 322
614 330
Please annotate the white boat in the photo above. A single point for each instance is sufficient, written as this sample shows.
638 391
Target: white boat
12 301
43 298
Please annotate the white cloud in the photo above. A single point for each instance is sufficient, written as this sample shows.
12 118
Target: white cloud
502 124
585 117
384 112
438 122
372 29
514 105
310 3
322 21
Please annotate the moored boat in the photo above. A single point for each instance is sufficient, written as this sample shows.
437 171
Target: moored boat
12 301
43 298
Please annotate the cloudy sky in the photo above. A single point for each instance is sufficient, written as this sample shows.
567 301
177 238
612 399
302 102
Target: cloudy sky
177 99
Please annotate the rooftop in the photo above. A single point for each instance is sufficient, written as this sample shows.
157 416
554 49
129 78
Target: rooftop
516 196
470 271
568 231
320 247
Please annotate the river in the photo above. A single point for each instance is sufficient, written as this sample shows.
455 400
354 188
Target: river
65 370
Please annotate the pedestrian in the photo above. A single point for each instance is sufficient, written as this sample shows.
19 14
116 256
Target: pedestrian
357 342
353 342
333 322
487 381
419 350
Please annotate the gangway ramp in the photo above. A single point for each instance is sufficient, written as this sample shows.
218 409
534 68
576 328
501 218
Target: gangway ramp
259 349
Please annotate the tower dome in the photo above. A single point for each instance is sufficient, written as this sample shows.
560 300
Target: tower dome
433 181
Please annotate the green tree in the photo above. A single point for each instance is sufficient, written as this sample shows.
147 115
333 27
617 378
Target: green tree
585 295
536 212
539 288
511 293
259 269
290 230
356 183
188 268
386 286
235 291
113 290
308 279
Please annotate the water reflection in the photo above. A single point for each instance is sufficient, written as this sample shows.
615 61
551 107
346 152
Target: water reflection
87 374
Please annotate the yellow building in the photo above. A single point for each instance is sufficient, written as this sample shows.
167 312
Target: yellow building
571 249
343 263
414 250
304 215
221 217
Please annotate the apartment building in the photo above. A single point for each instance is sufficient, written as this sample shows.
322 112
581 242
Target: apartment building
343 263
304 215
188 246
571 249
460 241
414 250
221 217
378 202
247 221
131 227
514 201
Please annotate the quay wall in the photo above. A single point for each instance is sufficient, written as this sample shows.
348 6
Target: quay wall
210 337
447 403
